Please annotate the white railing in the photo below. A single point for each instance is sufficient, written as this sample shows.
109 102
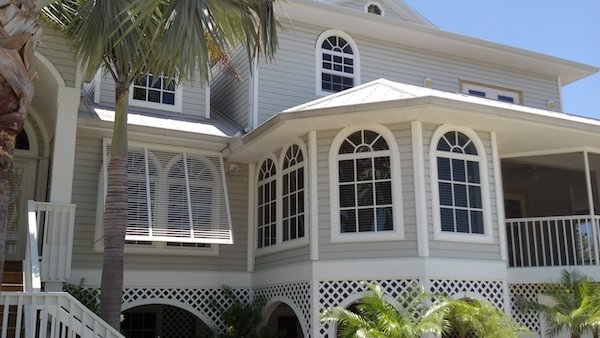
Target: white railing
553 241
54 223
50 315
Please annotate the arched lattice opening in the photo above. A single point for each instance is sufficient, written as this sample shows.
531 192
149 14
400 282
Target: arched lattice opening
283 322
165 321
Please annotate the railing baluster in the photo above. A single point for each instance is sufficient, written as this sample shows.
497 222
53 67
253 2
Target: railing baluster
512 236
520 244
596 235
535 245
528 243
542 231
573 225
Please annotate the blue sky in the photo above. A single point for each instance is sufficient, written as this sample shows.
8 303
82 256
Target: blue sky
565 29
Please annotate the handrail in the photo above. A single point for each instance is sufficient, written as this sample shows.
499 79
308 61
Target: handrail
31 266
553 241
51 315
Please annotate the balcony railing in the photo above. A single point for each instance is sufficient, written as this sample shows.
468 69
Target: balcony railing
553 241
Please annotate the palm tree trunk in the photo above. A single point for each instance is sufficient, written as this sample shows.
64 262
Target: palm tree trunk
115 216
19 36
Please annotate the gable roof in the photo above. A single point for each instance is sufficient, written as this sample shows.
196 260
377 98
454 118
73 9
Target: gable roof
399 7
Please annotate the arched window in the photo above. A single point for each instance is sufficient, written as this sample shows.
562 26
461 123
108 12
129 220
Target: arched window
365 183
338 63
459 165
267 204
293 215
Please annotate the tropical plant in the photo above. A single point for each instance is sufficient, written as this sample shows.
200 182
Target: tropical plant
242 319
19 37
132 38
572 305
468 317
89 297
375 316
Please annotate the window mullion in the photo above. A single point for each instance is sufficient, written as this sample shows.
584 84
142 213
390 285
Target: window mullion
148 191
187 192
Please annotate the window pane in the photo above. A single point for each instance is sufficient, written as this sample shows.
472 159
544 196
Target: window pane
366 220
458 170
462 221
293 204
382 168
285 206
443 145
473 172
477 222
347 196
383 192
168 98
285 232
364 169
355 138
292 182
384 219
300 202
153 96
475 197
285 184
460 195
470 149
364 194
445 193
348 220
370 136
346 148
444 169
301 226
447 219
293 234
462 139
380 144
300 173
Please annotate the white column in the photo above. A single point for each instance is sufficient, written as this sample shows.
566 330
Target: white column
63 157
499 198
251 214
420 192
313 195
590 195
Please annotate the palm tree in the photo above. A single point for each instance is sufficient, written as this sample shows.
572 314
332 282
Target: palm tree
19 37
129 38
375 316
574 305
468 317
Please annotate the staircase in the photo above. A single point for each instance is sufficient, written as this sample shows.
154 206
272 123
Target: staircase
12 281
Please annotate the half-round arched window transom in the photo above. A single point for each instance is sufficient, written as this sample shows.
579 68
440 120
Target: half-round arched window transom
459 183
365 183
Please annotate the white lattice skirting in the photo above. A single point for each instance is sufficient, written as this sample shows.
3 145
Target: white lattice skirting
295 295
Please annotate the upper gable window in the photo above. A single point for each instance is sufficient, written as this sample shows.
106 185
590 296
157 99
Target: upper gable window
338 62
461 192
491 92
150 92
364 182
374 8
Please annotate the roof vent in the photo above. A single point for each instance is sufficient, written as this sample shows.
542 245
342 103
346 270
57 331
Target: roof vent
551 105
427 82
374 8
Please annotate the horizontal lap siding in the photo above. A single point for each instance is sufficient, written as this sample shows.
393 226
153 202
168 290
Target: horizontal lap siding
282 258
58 51
462 249
88 160
193 98
359 5
356 250
231 96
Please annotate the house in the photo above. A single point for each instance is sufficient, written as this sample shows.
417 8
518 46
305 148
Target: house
374 147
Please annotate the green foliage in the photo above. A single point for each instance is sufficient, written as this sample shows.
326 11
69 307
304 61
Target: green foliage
242 319
572 304
87 296
419 313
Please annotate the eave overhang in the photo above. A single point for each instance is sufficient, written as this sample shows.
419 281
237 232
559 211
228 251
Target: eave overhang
431 39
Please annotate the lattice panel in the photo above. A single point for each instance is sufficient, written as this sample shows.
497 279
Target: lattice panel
199 299
334 293
299 293
177 323
490 290
529 292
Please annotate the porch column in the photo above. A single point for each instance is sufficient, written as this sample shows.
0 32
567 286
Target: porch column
63 157
590 194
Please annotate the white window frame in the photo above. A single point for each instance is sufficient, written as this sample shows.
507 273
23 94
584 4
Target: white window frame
336 235
438 234
375 3
319 60
280 244
164 249
272 179
177 107
491 92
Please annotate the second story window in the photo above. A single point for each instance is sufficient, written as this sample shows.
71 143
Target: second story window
293 194
157 93
338 67
491 92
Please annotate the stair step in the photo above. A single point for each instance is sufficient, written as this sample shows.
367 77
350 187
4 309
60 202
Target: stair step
13 276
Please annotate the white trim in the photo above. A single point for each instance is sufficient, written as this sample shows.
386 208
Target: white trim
260 251
169 301
313 194
319 60
176 107
491 92
499 186
397 207
251 216
487 236
207 102
381 8
552 152
420 189
97 85
560 93
272 304
253 96
60 82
